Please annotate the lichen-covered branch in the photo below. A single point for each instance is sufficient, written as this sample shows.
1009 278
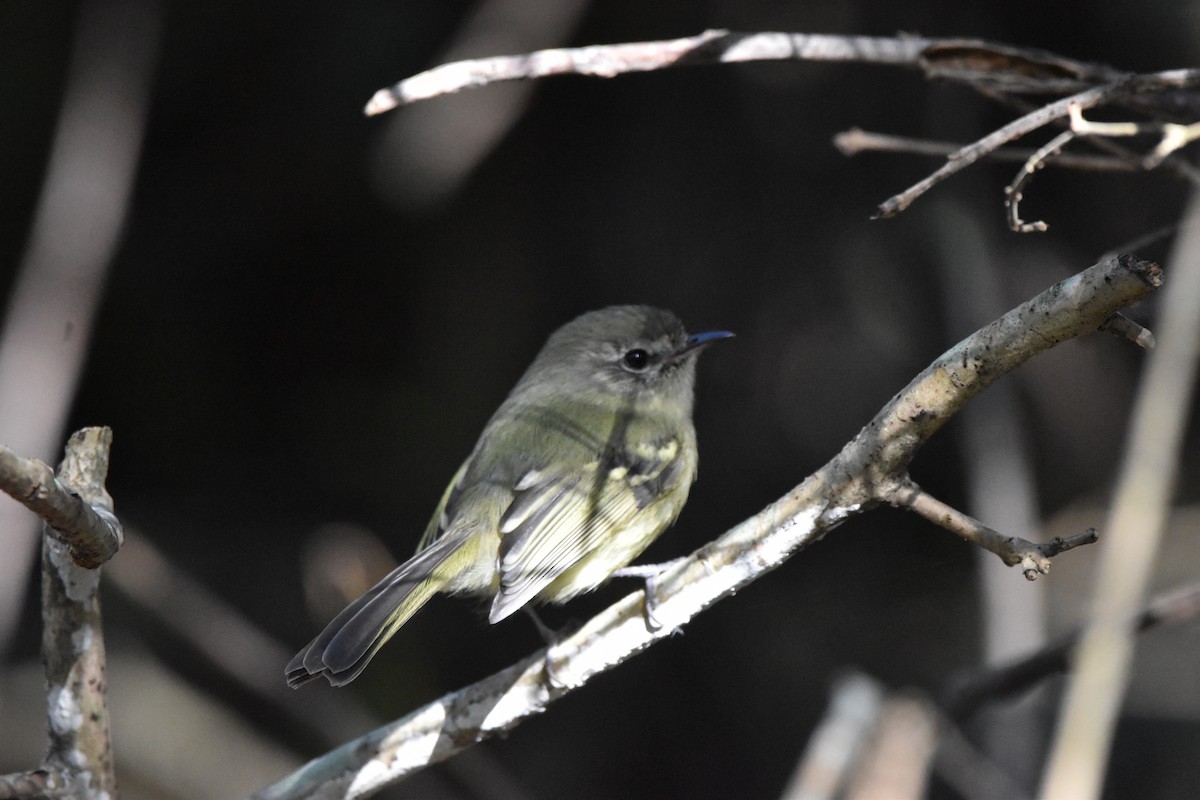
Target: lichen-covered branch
79 517
869 471
73 637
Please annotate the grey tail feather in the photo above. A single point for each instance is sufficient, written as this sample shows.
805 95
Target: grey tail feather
342 650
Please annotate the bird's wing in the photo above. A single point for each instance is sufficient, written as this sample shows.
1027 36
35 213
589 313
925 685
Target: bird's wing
557 518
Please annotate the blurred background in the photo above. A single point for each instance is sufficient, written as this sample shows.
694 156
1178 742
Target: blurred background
297 320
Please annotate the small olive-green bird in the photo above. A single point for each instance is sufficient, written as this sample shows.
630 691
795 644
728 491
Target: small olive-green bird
588 460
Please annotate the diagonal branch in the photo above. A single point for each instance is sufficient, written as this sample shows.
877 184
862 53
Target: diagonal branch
869 471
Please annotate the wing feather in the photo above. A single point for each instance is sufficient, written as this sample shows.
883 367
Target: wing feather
557 519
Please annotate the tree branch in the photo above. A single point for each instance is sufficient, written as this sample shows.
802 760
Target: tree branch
79 761
1033 558
998 70
855 140
91 532
870 470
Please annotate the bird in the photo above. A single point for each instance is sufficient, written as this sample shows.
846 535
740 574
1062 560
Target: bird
588 460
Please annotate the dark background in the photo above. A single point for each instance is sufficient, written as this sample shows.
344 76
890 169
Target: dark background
292 337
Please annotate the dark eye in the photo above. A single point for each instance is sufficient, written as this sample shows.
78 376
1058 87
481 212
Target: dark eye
637 359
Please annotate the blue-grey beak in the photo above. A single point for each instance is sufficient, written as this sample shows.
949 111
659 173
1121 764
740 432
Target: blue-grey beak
698 341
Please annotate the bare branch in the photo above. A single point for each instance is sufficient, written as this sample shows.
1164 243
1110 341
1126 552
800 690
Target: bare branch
1036 161
607 61
968 60
1019 127
855 140
1123 326
1118 89
1177 167
870 470
92 532
1033 558
1172 135
995 69
73 638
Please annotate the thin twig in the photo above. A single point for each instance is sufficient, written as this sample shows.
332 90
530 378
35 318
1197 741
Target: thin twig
999 69
855 140
1172 136
1175 166
1038 118
1019 127
1033 558
1123 326
1012 192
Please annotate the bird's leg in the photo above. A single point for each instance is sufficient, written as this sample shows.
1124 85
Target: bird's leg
551 637
649 573
548 636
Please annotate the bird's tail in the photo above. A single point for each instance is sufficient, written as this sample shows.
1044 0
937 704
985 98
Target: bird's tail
353 637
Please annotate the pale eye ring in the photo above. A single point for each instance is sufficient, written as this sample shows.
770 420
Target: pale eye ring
636 359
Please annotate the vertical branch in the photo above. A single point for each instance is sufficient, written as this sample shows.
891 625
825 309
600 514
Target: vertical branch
72 638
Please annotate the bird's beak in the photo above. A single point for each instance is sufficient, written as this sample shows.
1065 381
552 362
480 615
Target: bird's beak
698 341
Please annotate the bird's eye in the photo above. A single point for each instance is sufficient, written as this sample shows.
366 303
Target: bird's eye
637 359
